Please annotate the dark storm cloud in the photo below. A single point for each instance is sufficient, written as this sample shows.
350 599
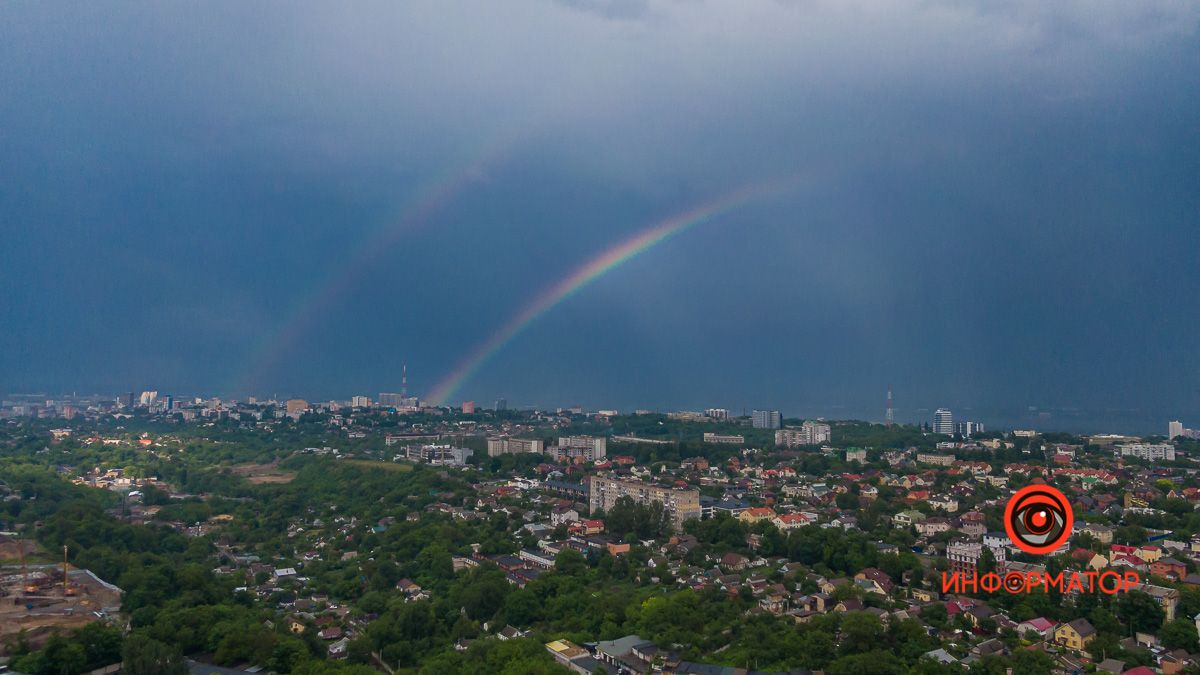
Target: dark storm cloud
1002 212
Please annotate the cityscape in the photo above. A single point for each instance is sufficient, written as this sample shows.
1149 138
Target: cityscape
605 337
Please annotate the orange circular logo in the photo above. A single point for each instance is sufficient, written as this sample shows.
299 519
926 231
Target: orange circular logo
1038 519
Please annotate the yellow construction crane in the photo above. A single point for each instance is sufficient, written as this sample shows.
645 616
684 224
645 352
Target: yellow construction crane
68 590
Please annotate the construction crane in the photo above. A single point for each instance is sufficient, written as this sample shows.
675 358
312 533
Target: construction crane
26 586
68 590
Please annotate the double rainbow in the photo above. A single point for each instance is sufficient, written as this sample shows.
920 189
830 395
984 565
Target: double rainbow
591 270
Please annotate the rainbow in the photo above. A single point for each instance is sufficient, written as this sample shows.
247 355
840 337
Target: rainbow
430 198
593 269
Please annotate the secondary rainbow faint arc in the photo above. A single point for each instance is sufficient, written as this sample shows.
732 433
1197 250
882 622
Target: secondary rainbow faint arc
432 197
590 271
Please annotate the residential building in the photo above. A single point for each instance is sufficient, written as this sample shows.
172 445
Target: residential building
968 429
514 446
682 504
766 419
1174 429
468 407
756 514
589 448
964 557
809 433
1075 635
943 422
728 439
360 402
720 414
930 458
1151 452
856 455
296 406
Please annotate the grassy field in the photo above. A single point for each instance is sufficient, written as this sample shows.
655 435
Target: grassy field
401 467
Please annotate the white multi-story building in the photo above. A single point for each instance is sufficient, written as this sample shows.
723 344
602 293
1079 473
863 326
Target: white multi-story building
717 413
360 402
766 419
514 446
729 439
943 422
1148 451
964 556
809 433
969 429
931 458
1174 430
590 448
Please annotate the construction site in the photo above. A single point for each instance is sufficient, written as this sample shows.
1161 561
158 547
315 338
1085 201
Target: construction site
43 597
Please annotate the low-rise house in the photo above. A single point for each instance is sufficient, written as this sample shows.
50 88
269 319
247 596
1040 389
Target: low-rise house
908 518
1075 634
1042 626
1168 568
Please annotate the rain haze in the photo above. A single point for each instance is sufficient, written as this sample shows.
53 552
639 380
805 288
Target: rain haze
989 206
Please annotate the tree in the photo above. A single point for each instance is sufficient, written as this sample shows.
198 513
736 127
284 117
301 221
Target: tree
860 632
1139 611
569 561
1032 662
142 655
1180 634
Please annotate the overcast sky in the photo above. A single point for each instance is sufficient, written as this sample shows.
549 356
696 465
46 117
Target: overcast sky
1001 206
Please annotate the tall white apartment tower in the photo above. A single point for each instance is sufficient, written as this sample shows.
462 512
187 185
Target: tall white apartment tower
1174 429
943 422
766 419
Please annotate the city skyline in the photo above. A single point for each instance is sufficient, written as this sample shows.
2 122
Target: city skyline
1038 419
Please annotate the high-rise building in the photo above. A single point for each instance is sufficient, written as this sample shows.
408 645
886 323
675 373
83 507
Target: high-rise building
468 407
295 406
360 402
943 422
147 398
603 493
968 429
514 446
1148 451
390 400
501 404
766 419
809 433
717 414
589 448
1174 430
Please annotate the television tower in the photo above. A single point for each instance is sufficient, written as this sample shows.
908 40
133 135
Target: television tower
404 380
891 413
